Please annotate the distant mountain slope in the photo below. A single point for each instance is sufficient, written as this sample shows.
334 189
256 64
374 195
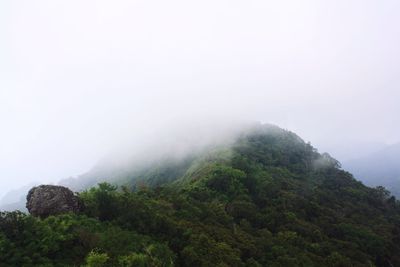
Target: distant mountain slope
15 199
380 168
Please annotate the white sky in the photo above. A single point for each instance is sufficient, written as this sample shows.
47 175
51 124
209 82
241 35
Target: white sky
75 76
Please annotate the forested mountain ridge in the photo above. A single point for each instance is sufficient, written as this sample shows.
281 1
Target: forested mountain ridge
267 199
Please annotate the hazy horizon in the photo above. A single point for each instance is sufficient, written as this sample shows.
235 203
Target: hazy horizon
79 78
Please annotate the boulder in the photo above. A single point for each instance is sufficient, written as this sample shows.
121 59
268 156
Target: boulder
46 200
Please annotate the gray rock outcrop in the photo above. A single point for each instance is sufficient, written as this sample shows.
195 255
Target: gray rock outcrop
46 200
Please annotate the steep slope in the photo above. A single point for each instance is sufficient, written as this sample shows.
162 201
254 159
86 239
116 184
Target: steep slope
379 169
268 199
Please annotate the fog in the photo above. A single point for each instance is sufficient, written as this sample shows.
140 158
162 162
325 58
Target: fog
79 78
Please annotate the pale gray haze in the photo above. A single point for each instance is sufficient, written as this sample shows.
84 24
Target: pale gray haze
78 78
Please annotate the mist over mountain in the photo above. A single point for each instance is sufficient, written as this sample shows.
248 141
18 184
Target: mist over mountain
347 150
15 199
149 130
147 152
261 198
381 168
166 153
78 77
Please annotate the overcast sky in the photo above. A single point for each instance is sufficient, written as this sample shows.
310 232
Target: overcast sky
75 76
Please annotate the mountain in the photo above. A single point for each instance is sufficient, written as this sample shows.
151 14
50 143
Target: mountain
347 150
266 198
15 199
381 168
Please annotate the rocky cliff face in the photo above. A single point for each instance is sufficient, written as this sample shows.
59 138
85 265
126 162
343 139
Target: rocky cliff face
46 200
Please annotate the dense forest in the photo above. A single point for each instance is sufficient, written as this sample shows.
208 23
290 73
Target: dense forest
268 199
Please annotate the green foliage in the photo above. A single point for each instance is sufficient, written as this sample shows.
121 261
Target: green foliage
96 259
135 260
274 202
101 202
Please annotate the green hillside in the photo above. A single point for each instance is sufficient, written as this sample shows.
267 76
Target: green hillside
268 199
